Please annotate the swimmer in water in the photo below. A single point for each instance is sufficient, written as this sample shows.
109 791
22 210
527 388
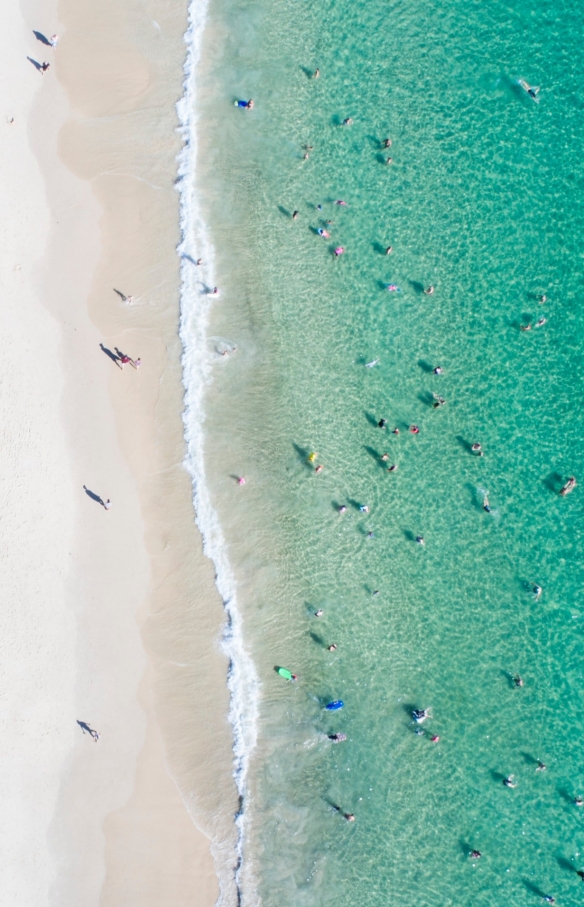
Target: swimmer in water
537 590
389 160
319 613
392 468
531 90
477 449
316 74
414 430
387 143
322 232
393 288
384 457
542 299
312 456
337 738
342 509
540 322
518 681
339 251
429 290
509 782
382 423
568 487
332 648
371 364
389 250
540 767
486 504
348 121
438 401
438 370
341 203
475 854
420 715
525 327
295 215
319 468
578 801
364 508
395 431
349 817
435 738
548 899
420 540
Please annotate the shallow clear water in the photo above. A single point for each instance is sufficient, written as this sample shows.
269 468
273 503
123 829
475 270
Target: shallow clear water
484 200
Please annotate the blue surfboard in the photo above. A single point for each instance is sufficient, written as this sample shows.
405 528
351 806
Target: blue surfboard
335 706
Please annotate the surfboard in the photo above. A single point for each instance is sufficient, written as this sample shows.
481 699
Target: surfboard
335 706
284 672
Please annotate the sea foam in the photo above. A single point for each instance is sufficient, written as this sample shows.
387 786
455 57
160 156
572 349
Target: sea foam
196 301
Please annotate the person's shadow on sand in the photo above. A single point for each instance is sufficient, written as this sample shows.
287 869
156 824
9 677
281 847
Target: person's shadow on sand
94 496
112 356
40 37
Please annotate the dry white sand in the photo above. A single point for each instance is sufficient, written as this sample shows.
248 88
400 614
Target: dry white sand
111 618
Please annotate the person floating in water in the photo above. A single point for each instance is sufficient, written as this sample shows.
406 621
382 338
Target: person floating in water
389 160
322 232
486 505
342 509
517 680
348 121
372 363
393 288
537 590
438 401
438 370
420 715
429 290
387 143
548 899
382 423
475 854
509 781
540 767
414 430
332 648
389 250
578 801
420 540
316 74
477 449
319 613
246 105
532 90
392 468
337 738
568 487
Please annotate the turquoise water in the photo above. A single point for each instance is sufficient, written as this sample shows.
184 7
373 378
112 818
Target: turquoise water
484 200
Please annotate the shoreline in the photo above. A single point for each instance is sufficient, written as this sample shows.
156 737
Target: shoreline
150 672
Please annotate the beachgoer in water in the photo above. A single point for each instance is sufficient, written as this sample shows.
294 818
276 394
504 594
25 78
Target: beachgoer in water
322 232
540 322
438 401
107 505
420 715
241 480
370 535
332 647
438 370
384 457
389 250
477 449
537 590
392 468
319 468
525 327
337 738
316 74
414 430
372 363
540 767
364 508
342 509
375 592
429 290
348 121
215 291
420 540
475 854
294 215
509 782
342 203
393 288
547 897
349 817
306 156
542 299
568 487
382 423
319 613
387 143
339 251
395 431
518 681
486 504
389 160
578 801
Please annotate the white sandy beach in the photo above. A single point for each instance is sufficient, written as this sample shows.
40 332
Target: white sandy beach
111 618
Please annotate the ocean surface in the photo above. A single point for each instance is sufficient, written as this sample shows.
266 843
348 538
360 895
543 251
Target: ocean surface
483 201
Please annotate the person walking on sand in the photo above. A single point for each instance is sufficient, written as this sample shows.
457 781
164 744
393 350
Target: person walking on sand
138 362
107 505
44 66
54 40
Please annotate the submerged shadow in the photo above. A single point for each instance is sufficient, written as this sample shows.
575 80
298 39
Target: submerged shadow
533 888
303 455
565 864
285 212
375 456
317 639
530 760
425 366
466 445
377 247
553 482
416 286
371 419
